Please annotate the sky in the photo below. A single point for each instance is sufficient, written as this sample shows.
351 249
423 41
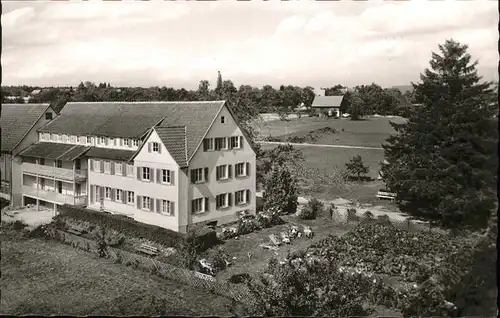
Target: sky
177 44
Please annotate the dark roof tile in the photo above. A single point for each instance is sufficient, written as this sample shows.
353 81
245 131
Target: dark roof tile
132 120
51 150
174 139
15 122
112 154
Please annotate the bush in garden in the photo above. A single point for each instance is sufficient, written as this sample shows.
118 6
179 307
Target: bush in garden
368 215
19 225
317 289
280 190
351 214
189 251
383 220
246 226
217 258
310 211
123 225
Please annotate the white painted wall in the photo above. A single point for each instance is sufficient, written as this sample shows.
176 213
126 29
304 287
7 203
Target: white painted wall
127 183
155 190
212 159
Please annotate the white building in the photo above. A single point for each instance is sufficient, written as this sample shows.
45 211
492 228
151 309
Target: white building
171 164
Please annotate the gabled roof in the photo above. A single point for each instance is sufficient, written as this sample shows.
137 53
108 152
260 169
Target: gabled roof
56 151
174 139
134 119
327 101
16 121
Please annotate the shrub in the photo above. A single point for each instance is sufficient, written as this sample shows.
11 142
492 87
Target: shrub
351 214
123 225
368 215
217 258
311 210
205 238
297 288
280 190
384 219
19 225
356 167
239 278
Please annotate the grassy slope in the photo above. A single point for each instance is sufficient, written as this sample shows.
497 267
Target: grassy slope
44 277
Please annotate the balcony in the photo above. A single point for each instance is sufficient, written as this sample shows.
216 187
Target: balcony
53 172
54 196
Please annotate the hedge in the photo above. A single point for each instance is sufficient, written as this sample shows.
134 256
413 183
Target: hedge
134 228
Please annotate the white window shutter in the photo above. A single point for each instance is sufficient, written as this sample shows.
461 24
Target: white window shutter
151 175
172 177
159 147
241 141
139 177
158 176
149 146
172 208
91 162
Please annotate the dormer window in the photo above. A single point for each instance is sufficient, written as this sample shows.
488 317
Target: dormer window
136 142
101 140
89 139
222 120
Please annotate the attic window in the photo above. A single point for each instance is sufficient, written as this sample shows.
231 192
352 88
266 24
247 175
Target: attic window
156 147
222 120
48 116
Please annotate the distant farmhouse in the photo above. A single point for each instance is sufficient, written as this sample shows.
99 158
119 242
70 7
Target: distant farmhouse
327 105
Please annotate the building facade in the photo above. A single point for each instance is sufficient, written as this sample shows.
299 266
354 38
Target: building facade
19 124
180 165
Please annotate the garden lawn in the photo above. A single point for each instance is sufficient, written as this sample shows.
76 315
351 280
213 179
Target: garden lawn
259 257
45 278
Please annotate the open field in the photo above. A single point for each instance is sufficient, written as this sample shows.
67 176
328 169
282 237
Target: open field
316 176
46 277
370 132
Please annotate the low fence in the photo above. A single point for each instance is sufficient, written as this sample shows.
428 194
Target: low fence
238 293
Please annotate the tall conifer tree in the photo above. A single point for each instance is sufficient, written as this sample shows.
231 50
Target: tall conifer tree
443 161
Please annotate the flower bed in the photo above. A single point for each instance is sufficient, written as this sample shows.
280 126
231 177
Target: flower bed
249 224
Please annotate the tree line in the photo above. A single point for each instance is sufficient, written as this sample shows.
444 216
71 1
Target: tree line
360 100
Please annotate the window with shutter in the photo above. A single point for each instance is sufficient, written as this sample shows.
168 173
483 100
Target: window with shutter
197 175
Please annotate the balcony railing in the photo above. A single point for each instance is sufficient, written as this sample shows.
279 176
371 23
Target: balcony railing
54 172
54 196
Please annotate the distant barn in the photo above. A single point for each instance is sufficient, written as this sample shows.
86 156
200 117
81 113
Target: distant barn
328 105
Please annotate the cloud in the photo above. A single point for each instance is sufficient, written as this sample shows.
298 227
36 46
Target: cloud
298 42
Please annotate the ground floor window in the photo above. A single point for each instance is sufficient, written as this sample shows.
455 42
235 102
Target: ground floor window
130 197
197 205
146 203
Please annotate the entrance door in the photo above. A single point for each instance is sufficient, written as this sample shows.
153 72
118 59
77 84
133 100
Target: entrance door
97 194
